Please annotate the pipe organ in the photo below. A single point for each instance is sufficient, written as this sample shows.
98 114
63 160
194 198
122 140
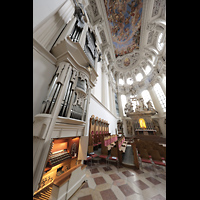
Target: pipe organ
63 117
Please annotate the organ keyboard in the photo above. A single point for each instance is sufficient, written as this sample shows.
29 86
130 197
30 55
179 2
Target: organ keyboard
57 158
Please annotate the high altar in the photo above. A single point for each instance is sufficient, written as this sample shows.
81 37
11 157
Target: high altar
141 120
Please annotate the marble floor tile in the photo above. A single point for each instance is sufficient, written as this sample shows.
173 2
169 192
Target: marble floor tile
99 180
122 183
103 186
108 195
114 177
158 197
107 169
119 182
163 176
94 170
141 184
127 173
126 189
119 194
153 180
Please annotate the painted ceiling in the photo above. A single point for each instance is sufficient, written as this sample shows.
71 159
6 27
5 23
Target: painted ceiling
124 18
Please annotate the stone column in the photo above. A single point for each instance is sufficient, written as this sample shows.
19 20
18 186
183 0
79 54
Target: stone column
120 105
105 92
110 96
114 105
162 85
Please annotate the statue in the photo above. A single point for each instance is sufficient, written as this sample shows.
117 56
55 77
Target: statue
150 106
128 107
137 108
143 106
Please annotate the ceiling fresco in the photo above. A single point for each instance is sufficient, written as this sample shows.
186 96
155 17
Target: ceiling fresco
124 18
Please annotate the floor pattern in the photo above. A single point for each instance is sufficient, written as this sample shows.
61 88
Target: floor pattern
110 183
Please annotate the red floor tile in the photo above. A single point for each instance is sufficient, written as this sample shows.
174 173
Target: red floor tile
163 176
93 171
99 180
108 195
141 184
153 180
114 177
127 173
107 169
126 189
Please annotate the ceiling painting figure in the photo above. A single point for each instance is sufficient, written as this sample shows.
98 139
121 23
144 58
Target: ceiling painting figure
124 18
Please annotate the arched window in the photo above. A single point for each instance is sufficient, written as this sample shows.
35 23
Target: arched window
161 96
121 81
160 44
129 81
147 69
164 80
146 96
139 77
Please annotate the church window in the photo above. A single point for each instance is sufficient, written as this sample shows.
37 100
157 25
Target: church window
146 96
147 69
160 44
121 81
129 81
139 77
123 99
161 96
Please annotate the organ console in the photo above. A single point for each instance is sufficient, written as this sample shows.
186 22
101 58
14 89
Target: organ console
60 160
64 110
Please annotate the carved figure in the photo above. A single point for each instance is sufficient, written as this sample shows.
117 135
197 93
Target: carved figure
128 107
142 103
137 108
150 106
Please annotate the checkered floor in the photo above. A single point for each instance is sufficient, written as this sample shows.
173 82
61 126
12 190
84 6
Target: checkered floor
110 183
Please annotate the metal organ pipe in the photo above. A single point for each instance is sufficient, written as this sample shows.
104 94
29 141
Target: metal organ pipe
54 89
53 100
66 99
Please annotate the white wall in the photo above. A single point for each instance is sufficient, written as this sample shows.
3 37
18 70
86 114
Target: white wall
42 9
96 91
43 71
98 110
98 84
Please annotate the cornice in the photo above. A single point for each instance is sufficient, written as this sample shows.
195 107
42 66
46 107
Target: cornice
43 52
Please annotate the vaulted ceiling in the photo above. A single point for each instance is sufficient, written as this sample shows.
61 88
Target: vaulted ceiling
131 36
124 22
